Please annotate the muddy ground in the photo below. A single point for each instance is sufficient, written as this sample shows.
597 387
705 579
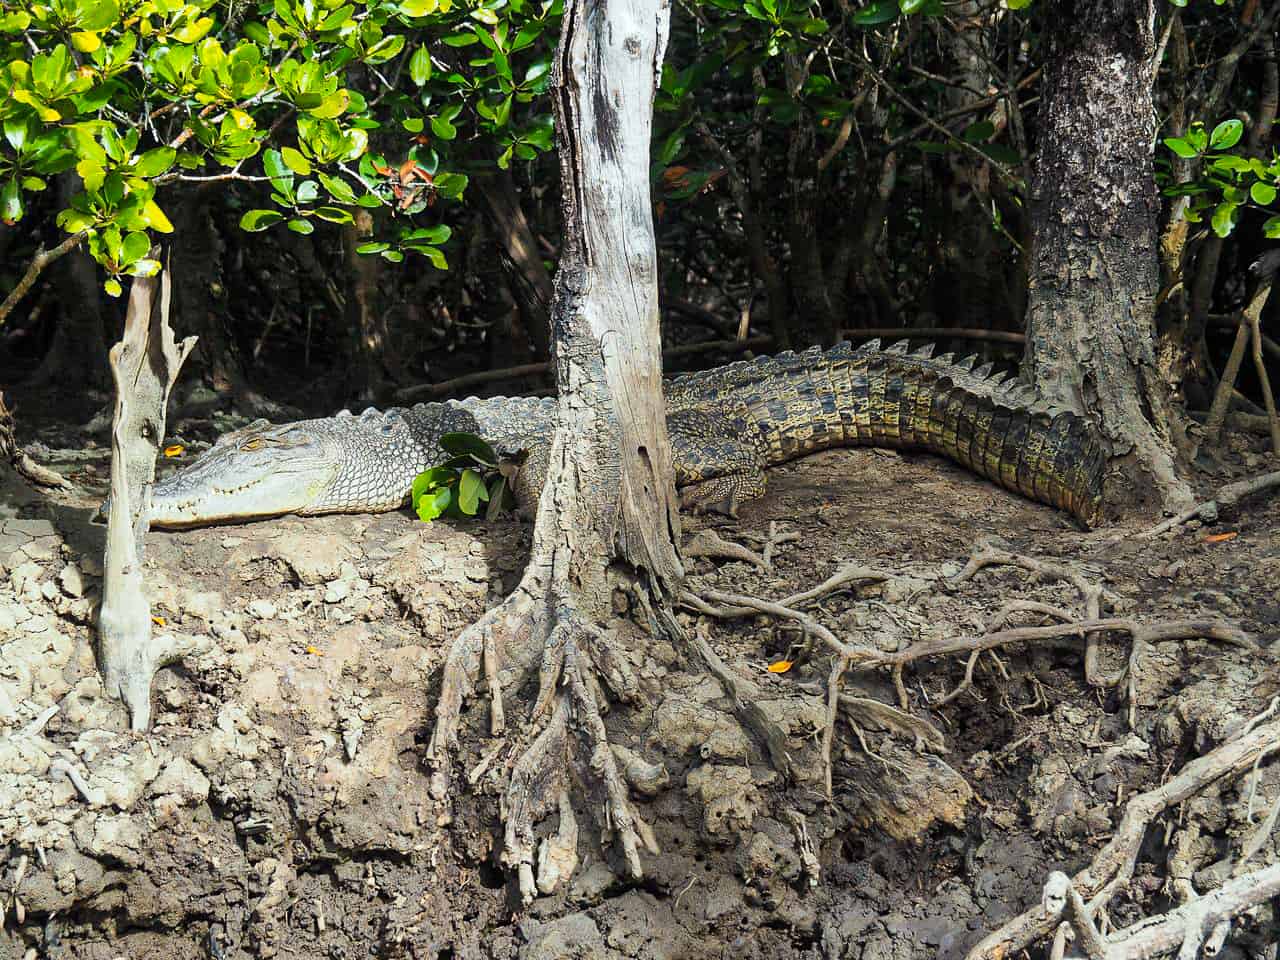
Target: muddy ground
279 807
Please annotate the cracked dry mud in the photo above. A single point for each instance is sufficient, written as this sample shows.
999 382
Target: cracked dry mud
279 807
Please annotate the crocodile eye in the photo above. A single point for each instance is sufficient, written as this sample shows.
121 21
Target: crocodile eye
254 444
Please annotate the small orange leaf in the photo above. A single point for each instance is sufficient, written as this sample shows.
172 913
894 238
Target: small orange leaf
175 450
675 176
158 621
315 651
781 666
1222 537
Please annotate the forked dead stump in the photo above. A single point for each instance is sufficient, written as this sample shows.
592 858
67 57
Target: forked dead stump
144 366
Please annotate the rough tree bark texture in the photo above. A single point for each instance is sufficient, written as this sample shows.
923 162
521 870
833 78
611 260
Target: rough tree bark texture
144 365
366 324
1093 277
609 494
615 456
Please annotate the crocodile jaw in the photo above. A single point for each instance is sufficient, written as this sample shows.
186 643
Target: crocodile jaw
258 472
176 505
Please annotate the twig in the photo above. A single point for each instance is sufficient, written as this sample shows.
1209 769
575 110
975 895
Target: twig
93 796
1226 499
708 543
42 478
746 697
41 260
445 387
1114 864
1244 333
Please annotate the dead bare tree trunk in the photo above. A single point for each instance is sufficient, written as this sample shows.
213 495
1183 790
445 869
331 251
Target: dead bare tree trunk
1093 277
609 494
144 365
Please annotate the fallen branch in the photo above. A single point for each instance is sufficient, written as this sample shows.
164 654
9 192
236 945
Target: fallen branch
1249 330
1225 500
432 391
1113 867
42 478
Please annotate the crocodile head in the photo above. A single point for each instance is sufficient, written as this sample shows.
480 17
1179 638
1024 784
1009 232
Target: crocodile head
258 471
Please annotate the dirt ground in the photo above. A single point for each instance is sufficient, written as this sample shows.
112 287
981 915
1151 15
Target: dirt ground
279 807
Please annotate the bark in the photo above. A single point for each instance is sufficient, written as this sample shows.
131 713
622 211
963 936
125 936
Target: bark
608 500
144 364
366 324
197 259
605 323
1093 275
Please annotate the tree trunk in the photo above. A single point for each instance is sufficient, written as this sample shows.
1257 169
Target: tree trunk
144 365
1093 276
366 324
609 494
79 348
530 282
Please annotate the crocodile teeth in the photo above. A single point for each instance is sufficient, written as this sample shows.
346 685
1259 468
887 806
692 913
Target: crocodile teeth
966 363
983 371
899 348
871 346
925 352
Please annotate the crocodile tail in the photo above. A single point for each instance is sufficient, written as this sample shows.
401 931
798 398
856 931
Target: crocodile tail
888 397
995 428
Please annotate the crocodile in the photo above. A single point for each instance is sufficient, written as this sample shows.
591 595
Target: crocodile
726 426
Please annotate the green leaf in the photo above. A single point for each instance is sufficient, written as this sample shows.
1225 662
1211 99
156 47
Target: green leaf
471 490
1262 193
434 504
384 49
1181 147
1224 219
303 227
469 445
876 12
376 246
443 129
429 481
333 214
436 234
155 162
412 124
256 221
113 288
1271 229
420 66
135 246
295 161
418 8
434 254
11 201
978 132
338 188
1226 135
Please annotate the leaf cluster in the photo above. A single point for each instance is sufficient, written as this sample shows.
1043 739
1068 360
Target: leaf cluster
471 476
